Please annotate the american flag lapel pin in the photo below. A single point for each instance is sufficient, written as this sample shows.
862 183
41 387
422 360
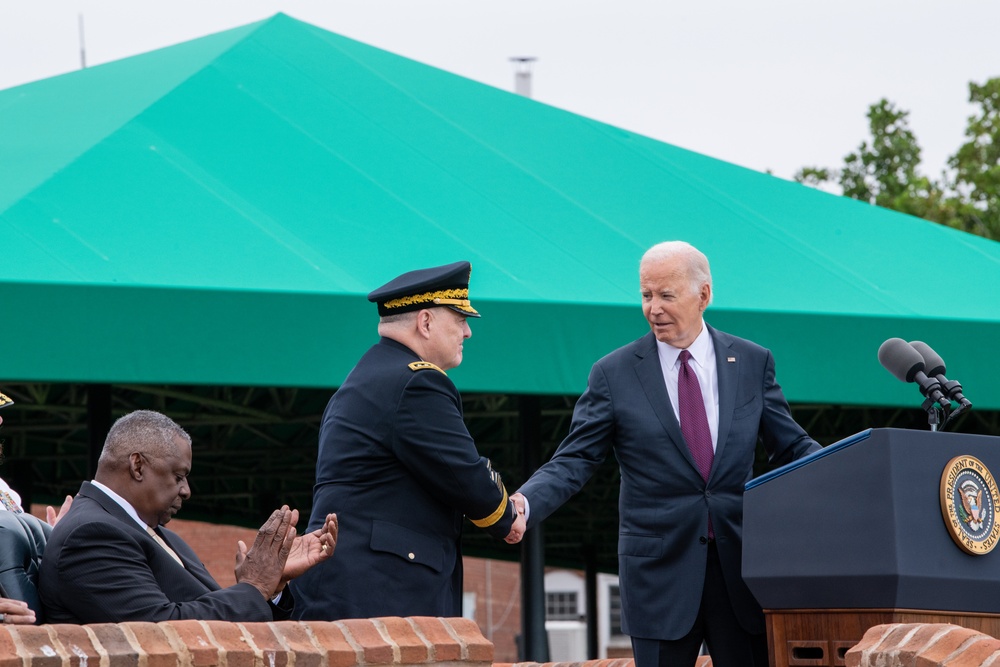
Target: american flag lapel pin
731 360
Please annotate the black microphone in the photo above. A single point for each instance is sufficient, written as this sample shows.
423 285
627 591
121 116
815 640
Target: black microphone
903 361
934 367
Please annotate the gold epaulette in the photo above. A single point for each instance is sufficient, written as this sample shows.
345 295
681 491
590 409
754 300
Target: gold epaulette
424 365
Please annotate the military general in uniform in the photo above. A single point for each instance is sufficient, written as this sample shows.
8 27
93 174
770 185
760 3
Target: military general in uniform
398 465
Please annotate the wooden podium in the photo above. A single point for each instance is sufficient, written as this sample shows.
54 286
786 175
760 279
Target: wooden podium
855 536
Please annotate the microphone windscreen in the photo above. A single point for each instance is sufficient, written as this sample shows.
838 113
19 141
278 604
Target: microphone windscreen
900 359
933 363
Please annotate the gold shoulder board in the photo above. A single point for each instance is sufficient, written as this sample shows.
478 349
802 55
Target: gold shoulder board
424 365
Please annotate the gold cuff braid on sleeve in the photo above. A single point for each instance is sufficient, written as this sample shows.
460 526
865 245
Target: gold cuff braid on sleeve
496 516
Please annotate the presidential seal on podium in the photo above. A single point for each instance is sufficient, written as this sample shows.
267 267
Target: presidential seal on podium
969 500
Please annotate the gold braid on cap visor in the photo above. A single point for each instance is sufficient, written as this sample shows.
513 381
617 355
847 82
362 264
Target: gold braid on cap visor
448 297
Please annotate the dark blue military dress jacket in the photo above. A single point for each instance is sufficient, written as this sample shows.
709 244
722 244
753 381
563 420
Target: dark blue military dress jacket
398 466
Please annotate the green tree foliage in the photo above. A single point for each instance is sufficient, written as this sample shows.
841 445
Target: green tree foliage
976 166
881 170
885 169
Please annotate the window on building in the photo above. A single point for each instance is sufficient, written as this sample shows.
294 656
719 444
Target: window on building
615 610
562 606
469 605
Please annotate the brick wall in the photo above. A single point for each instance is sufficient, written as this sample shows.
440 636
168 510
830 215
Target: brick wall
453 642
924 645
497 584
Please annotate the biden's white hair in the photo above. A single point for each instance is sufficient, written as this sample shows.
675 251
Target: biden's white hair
694 261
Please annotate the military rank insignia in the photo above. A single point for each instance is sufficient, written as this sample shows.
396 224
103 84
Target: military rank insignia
5 400
425 365
501 510
495 476
969 501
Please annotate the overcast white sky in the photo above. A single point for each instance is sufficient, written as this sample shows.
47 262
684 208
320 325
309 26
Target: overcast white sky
767 84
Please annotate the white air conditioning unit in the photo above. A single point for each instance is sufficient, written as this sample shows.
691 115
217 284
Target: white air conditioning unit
567 641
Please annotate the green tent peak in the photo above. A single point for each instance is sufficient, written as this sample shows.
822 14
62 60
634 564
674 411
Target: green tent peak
241 194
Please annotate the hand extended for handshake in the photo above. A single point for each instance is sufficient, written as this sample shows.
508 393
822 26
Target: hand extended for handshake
278 555
520 523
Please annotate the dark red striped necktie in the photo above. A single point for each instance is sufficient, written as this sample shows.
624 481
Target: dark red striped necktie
694 422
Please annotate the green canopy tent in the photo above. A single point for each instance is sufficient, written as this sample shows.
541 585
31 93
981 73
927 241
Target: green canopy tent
216 211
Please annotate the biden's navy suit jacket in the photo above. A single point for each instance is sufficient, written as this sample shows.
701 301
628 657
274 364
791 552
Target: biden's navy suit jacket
100 566
664 504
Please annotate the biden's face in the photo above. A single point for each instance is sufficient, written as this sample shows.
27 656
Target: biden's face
672 303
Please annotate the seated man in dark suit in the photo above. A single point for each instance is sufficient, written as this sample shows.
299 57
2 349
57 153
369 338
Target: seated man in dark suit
109 561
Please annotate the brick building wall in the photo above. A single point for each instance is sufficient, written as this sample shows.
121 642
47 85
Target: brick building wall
495 584
497 588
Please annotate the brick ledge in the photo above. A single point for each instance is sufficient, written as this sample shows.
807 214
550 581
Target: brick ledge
456 642
452 642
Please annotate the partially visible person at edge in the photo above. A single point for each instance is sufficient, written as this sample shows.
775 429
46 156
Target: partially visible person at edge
397 462
109 560
682 408
17 611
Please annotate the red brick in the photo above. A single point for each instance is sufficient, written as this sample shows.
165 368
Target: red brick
975 652
8 649
951 638
77 644
267 645
37 644
899 635
413 649
192 639
444 647
299 643
475 647
925 635
905 642
234 649
332 638
376 649
872 638
151 640
115 644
